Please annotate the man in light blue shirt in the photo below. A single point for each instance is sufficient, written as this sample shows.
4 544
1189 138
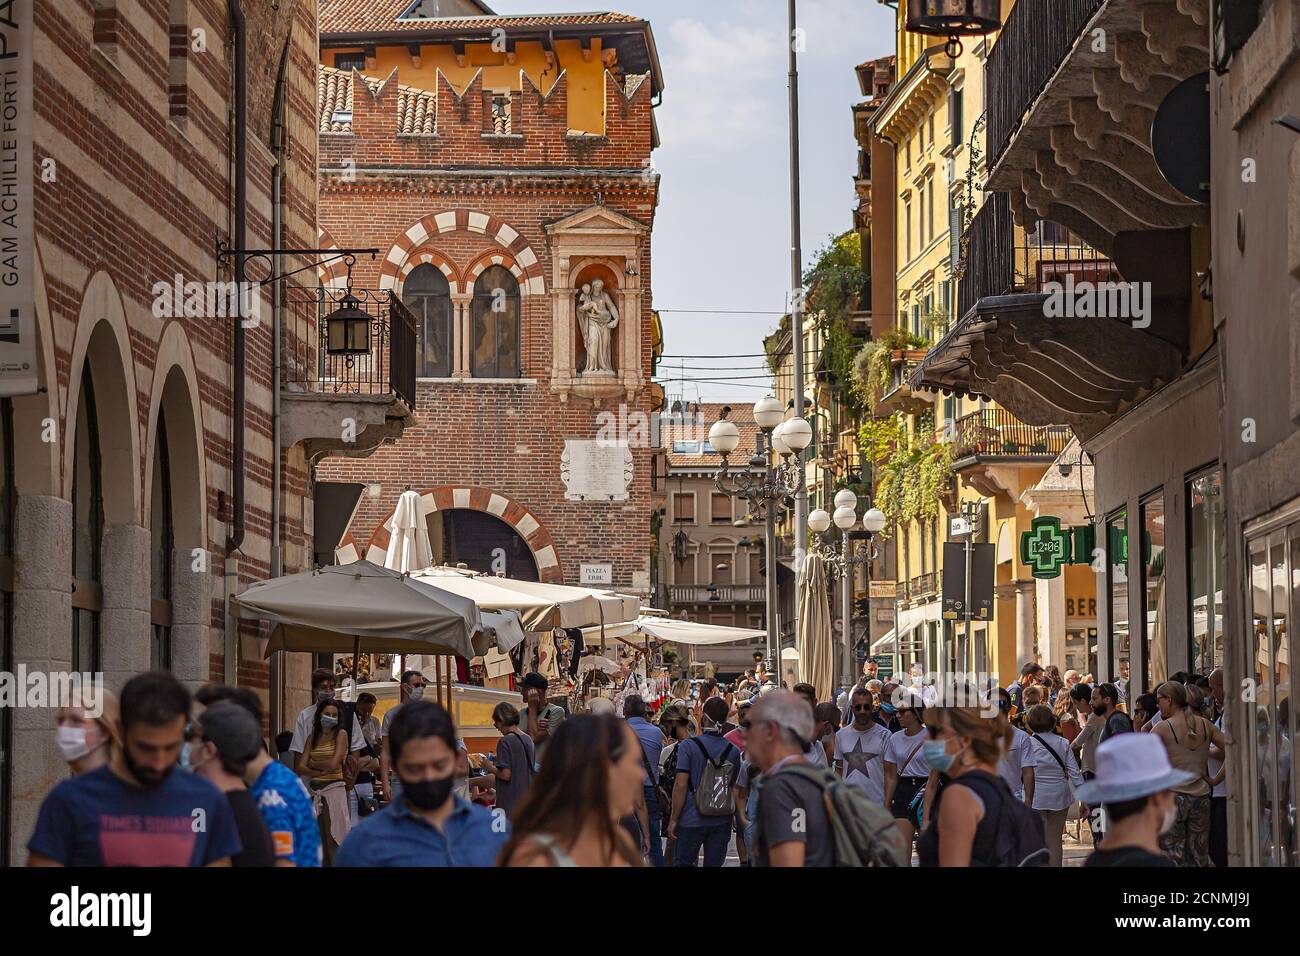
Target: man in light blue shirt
692 830
428 825
652 742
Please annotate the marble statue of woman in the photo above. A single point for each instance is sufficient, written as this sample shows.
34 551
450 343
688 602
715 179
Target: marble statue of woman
597 318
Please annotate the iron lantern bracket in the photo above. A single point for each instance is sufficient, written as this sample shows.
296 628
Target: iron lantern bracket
224 253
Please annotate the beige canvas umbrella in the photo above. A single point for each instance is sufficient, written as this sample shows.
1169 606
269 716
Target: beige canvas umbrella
579 607
363 608
813 639
408 541
536 613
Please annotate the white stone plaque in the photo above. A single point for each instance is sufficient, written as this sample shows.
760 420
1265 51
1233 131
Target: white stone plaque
593 574
596 470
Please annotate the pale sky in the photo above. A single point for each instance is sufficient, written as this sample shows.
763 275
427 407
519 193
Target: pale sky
722 232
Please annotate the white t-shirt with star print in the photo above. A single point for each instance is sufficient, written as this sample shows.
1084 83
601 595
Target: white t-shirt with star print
871 743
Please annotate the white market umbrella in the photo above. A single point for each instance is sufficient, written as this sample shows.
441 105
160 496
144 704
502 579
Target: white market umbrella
579 607
408 542
537 613
813 638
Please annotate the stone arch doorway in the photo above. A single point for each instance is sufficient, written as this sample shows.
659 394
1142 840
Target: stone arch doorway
480 541
516 519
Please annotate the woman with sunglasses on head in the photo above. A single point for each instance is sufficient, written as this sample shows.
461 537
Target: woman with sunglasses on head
591 779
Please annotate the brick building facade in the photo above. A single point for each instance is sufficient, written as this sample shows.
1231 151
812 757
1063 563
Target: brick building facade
506 159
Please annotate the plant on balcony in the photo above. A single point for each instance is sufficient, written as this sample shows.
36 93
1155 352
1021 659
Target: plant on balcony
914 478
873 363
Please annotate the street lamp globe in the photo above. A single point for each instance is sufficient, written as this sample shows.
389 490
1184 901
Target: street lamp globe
874 521
845 498
778 440
768 412
797 433
845 518
819 520
724 436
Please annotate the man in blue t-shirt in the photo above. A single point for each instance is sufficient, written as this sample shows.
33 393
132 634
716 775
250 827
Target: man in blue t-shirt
139 809
688 826
282 799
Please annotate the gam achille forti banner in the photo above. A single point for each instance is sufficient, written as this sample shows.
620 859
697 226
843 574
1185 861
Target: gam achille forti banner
17 199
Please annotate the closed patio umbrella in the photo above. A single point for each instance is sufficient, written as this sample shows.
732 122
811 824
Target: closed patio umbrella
813 639
408 543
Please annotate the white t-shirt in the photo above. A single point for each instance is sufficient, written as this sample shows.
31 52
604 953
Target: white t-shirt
817 755
302 731
900 746
871 744
1053 790
1014 761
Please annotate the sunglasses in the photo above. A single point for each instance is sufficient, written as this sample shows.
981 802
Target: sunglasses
862 708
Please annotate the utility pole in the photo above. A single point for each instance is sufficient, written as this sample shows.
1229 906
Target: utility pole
796 292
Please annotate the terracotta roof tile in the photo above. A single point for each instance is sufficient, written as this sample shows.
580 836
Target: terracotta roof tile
416 108
741 414
381 16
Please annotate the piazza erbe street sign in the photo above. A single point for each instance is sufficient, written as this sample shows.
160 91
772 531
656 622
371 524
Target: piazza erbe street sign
1046 548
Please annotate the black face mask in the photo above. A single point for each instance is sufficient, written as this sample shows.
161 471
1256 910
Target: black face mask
1099 710
427 794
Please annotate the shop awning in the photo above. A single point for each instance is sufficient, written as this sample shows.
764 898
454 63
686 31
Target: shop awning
677 632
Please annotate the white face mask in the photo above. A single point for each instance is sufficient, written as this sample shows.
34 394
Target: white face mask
72 743
417 693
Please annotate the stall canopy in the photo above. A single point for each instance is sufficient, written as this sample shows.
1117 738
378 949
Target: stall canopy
537 613
678 632
578 607
363 608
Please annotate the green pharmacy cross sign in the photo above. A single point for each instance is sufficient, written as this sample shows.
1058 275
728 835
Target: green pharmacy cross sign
1046 548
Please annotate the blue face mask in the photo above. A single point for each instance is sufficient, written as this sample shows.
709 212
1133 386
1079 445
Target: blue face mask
937 756
185 764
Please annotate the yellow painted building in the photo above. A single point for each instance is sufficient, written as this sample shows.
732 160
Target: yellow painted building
933 117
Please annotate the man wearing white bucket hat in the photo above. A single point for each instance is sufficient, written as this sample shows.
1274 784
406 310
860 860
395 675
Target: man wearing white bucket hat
1134 786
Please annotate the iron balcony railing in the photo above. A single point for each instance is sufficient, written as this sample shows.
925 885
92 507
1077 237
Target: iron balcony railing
1033 42
388 368
1001 259
996 433
923 586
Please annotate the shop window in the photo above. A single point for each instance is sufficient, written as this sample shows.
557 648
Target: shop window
495 327
88 534
427 294
1206 558
1117 597
1155 619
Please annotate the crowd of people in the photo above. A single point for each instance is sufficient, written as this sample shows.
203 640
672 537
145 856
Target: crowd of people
890 772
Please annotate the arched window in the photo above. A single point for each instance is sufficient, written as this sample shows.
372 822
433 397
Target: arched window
88 533
427 294
494 331
162 549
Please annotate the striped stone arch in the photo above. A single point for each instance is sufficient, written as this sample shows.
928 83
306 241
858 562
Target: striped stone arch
412 242
468 497
333 275
487 261
430 257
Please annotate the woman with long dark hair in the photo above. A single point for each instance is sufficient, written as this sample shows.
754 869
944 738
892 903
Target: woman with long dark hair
591 779
321 764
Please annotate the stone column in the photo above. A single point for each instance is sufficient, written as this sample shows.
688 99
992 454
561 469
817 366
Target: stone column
191 617
1050 601
124 623
461 338
1026 649
42 641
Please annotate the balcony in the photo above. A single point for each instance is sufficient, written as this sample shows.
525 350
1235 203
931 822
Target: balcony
923 587
716 594
1010 345
345 405
994 434
1069 132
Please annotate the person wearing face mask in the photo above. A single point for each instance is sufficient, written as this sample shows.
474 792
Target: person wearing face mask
138 809
1105 703
219 745
411 688
427 824
691 828
975 819
906 769
322 686
321 765
1134 786
89 729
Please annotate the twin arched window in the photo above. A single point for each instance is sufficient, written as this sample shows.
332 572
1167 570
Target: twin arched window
427 295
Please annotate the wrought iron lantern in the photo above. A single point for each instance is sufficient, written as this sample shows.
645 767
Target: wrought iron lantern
347 328
954 19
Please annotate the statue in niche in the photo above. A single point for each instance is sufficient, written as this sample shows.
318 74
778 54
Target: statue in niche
597 318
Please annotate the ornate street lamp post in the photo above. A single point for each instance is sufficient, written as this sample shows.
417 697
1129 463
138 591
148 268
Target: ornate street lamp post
845 560
773 478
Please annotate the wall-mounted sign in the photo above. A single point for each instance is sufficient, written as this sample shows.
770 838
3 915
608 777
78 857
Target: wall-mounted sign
594 574
596 470
981 584
18 263
1045 548
882 590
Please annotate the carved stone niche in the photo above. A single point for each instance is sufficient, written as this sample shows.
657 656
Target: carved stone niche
597 243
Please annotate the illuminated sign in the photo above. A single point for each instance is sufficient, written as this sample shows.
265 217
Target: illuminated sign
1045 548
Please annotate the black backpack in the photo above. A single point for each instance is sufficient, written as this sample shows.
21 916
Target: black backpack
1016 834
